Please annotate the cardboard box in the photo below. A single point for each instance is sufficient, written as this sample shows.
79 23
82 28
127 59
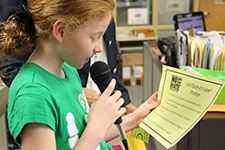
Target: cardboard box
132 68
129 59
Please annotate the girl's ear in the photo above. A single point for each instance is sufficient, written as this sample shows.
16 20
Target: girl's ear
59 28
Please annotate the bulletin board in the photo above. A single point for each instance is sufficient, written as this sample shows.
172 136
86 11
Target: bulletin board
215 20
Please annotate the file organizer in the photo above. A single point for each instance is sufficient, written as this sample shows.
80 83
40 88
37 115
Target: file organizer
204 53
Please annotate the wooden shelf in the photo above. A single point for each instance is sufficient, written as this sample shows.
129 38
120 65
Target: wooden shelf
132 4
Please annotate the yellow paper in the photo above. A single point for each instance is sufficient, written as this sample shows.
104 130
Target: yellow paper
185 98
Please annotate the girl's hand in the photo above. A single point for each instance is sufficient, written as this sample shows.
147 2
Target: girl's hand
106 110
144 109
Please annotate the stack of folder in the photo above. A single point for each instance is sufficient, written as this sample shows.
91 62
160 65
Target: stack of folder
201 51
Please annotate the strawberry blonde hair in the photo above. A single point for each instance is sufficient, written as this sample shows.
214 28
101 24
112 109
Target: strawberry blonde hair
24 29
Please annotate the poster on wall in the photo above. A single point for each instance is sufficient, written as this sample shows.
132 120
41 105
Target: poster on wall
137 16
175 5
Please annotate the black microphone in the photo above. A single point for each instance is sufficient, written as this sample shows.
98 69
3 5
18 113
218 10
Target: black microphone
101 75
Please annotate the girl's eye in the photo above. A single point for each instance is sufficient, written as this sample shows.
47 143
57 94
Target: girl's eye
96 38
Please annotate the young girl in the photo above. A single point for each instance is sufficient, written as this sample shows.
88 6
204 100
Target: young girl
47 108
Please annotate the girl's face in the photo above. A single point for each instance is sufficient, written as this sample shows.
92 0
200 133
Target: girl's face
81 45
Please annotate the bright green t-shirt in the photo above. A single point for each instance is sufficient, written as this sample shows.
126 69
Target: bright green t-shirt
37 96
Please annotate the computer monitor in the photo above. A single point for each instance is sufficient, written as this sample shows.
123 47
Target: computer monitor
184 21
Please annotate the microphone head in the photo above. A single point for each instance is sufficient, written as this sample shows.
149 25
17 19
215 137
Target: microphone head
100 74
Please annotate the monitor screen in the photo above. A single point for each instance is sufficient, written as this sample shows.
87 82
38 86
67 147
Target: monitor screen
184 21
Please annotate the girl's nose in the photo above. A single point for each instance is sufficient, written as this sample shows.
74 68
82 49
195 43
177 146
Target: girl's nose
98 50
99 47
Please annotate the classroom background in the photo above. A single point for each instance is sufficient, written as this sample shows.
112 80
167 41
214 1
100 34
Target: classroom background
147 39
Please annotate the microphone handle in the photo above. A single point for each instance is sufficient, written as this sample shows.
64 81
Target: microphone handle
121 131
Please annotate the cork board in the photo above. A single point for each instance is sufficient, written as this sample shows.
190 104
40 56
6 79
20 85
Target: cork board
215 20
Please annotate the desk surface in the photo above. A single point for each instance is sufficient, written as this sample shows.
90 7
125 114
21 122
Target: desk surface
217 108
135 38
216 111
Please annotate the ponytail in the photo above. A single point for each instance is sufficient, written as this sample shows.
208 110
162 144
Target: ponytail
18 35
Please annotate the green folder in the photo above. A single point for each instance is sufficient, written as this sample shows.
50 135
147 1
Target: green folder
213 74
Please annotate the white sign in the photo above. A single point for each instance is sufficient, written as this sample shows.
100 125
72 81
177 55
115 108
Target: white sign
126 72
137 71
137 16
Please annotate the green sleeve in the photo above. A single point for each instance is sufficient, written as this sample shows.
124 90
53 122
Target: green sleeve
32 104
